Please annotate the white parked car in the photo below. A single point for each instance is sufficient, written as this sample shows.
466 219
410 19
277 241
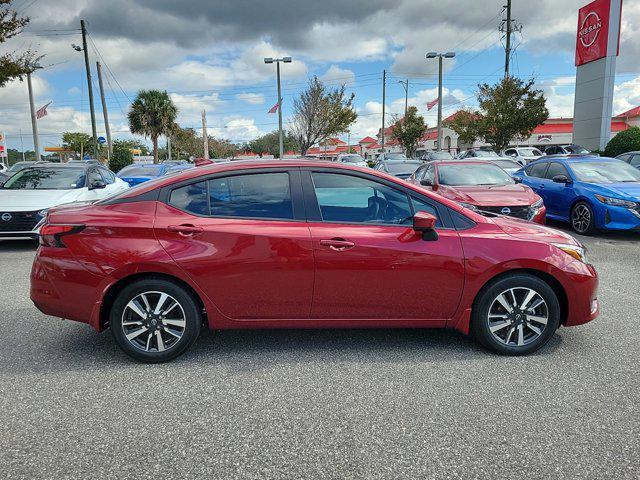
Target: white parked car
523 155
27 195
3 168
352 159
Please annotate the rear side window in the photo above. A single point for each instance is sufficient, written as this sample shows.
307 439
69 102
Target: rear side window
537 170
191 198
260 195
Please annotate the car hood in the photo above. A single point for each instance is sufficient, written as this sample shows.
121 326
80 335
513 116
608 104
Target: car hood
524 230
490 195
623 189
31 200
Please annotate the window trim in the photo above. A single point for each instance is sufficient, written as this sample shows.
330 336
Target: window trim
297 202
314 215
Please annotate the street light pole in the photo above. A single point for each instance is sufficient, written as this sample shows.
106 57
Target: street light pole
405 85
89 87
34 121
440 56
280 133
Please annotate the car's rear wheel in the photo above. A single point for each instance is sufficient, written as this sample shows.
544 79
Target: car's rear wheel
515 315
582 218
155 320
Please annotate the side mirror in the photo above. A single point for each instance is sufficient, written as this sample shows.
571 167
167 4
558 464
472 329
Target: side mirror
425 223
426 182
517 179
97 184
561 179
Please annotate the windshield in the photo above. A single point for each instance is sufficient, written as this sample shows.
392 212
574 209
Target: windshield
530 152
605 172
472 174
404 168
441 156
352 159
395 156
139 171
47 179
507 164
577 149
486 153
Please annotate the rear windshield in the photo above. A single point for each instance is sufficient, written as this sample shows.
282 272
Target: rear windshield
47 179
402 168
138 171
395 156
506 164
485 153
352 159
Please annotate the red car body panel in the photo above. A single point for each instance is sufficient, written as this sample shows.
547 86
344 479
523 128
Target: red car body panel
277 274
515 194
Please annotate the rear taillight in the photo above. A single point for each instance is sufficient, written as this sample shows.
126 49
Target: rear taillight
52 235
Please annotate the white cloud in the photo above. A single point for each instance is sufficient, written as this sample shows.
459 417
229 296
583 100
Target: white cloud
338 76
251 98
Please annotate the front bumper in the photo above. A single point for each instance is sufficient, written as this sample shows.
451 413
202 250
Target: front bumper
581 287
617 218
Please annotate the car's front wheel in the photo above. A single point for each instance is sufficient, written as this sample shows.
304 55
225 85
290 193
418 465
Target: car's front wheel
155 320
515 315
582 218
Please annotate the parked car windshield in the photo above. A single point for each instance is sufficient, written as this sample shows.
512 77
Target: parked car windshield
485 153
395 156
139 171
529 152
47 179
402 168
605 172
576 149
506 163
440 156
472 174
352 159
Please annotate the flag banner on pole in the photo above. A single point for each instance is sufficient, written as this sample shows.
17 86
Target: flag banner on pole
42 111
432 104
274 109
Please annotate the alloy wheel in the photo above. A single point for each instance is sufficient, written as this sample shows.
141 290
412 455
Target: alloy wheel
581 218
153 321
518 316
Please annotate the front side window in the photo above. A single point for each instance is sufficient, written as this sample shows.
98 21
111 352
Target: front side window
635 160
108 176
422 206
259 195
350 199
556 169
537 170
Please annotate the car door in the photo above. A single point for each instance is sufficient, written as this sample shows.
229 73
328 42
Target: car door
558 197
370 263
534 175
243 239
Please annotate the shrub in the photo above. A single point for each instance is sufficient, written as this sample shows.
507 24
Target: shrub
120 158
623 142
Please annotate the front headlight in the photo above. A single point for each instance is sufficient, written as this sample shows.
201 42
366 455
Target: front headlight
616 202
538 204
43 213
469 206
576 251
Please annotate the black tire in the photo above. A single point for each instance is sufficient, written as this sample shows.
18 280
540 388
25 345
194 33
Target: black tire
582 219
481 324
187 315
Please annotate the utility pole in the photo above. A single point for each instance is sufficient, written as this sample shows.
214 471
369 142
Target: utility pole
104 110
280 132
90 87
169 146
384 99
507 47
440 56
205 137
405 85
21 145
34 122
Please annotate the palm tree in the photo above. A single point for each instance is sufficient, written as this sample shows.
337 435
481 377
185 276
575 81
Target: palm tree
152 114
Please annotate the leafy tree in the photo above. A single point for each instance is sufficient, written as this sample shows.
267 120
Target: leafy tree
623 142
152 114
185 142
15 156
321 113
14 65
509 110
409 130
220 148
121 156
78 142
270 143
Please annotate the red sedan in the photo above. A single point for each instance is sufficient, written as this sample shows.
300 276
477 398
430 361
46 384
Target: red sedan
303 244
482 186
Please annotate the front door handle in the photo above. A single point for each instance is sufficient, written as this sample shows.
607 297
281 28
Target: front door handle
185 229
337 244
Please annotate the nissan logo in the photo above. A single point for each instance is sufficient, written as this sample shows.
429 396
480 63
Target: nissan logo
5 217
588 33
505 211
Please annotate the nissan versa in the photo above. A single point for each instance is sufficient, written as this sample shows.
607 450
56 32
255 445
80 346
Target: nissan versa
304 244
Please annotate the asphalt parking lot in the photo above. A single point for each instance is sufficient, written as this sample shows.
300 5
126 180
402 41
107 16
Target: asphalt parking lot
323 404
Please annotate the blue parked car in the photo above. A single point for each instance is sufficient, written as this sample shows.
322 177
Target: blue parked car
587 191
139 173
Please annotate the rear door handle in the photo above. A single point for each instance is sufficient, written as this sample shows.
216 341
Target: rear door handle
184 229
337 244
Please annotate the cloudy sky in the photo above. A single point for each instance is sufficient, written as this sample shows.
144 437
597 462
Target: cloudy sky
209 54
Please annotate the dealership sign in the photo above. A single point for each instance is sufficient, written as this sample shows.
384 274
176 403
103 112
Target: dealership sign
593 32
